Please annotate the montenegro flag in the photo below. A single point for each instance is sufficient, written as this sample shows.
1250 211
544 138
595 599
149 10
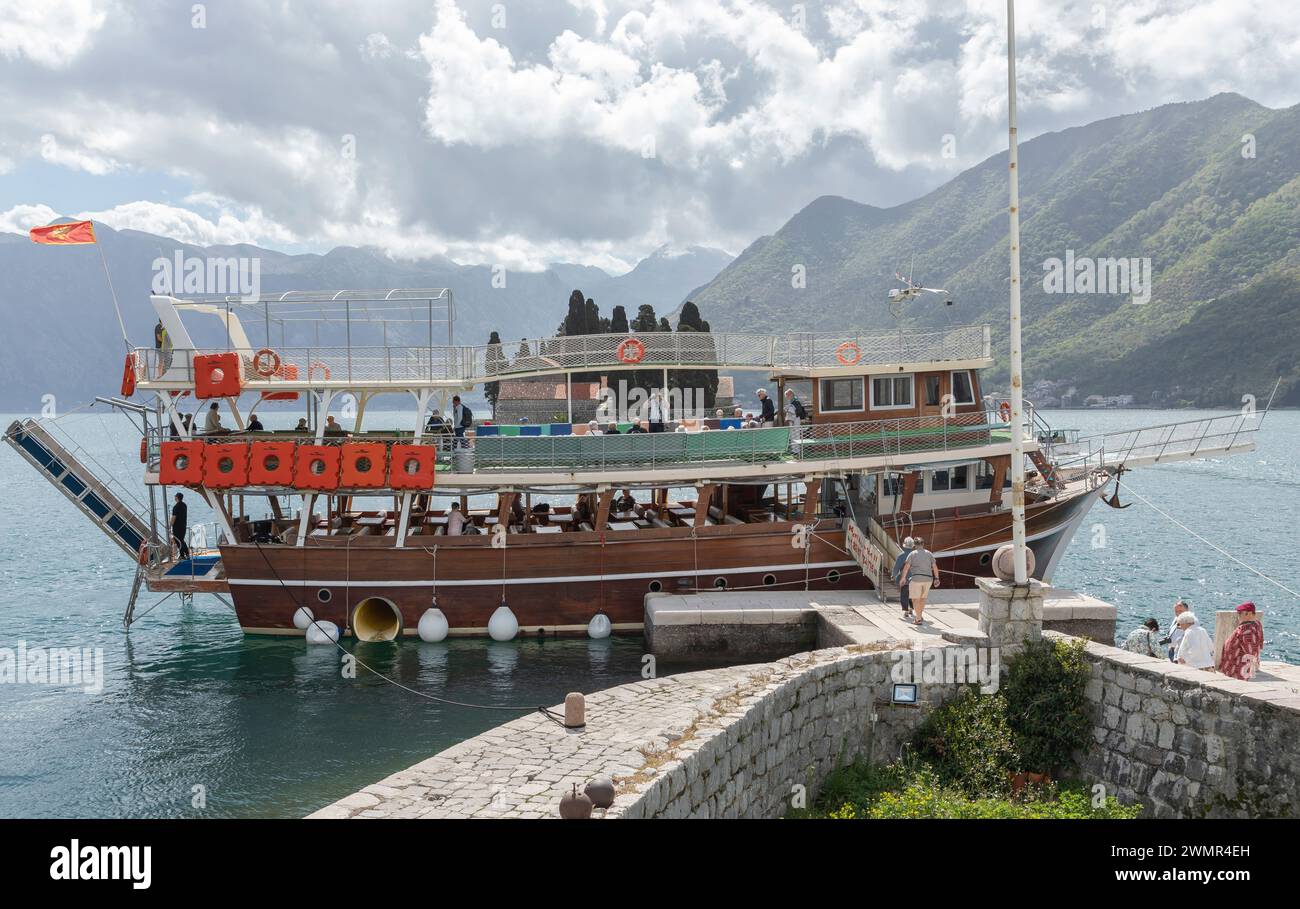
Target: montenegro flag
78 233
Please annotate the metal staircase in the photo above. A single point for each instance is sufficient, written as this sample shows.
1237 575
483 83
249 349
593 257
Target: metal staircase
102 500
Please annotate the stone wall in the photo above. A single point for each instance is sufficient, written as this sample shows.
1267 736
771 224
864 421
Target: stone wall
786 728
1188 743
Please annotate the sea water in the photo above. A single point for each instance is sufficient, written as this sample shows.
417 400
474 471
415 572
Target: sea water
196 720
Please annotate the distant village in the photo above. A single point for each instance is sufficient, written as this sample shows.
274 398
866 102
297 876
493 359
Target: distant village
1062 393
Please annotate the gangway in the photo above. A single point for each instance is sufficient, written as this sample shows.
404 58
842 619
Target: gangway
68 472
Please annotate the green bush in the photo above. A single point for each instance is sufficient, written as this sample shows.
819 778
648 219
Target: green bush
1047 706
897 791
969 743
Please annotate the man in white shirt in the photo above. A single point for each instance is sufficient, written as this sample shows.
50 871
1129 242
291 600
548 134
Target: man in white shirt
656 412
212 422
455 521
1196 649
1176 634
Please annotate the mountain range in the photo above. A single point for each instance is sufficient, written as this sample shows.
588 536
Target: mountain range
1208 191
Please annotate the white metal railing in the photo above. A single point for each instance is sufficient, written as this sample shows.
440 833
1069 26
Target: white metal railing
485 363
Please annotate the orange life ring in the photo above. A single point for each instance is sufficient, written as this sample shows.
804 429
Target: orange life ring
318 366
841 353
1004 411
266 362
631 350
128 376
144 451
144 553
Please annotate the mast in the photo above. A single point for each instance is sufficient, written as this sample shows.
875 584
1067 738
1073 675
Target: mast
1017 395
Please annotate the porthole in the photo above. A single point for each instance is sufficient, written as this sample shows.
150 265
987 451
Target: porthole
324 595
719 583
656 586
833 576
769 580
271 462
225 465
363 465
317 467
985 558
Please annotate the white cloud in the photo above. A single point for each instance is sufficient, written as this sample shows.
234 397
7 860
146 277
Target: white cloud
75 158
22 218
49 32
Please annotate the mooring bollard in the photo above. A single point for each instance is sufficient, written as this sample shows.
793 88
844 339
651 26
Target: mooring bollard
575 710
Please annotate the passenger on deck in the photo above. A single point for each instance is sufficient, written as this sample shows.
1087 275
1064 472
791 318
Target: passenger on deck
302 425
435 425
625 503
542 513
794 411
517 514
462 418
767 416
1195 649
456 521
593 428
187 421
334 429
180 517
611 429
1143 640
254 424
638 426
212 423
656 412
739 413
904 599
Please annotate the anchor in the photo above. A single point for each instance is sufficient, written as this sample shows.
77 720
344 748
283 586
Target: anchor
1113 501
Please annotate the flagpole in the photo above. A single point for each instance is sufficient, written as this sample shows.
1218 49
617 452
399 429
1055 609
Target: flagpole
116 308
1017 382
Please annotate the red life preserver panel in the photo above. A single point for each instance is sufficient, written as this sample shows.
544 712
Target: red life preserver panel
271 463
412 466
128 376
181 464
216 375
225 465
316 467
364 465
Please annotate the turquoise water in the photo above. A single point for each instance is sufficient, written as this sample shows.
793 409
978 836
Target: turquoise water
271 727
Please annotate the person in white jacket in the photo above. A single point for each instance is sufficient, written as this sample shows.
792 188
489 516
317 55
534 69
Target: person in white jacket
1195 649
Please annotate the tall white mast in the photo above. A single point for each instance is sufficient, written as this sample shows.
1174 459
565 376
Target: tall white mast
1017 395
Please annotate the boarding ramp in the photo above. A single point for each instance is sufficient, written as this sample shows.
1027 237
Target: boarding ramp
74 472
1165 443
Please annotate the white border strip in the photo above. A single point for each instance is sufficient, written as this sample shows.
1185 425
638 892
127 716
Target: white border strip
559 579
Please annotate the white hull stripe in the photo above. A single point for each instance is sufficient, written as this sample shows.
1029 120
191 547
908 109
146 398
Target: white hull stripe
560 579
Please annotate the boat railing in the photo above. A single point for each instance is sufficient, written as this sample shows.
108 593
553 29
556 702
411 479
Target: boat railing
507 449
307 366
1178 441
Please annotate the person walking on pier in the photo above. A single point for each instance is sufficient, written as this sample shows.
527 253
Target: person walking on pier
920 571
904 599
180 518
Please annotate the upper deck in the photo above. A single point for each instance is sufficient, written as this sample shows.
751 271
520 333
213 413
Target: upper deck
366 341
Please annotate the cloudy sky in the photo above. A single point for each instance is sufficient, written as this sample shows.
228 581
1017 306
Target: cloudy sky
524 132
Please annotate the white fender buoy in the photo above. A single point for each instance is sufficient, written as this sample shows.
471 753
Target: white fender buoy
322 633
599 627
433 626
1004 562
503 626
302 618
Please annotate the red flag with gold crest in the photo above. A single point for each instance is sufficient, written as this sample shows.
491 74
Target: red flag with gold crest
77 233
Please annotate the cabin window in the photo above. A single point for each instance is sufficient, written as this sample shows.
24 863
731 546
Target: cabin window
891 486
933 396
892 392
939 481
963 391
840 394
984 477
960 477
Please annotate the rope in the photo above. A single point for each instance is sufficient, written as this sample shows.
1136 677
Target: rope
1208 543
